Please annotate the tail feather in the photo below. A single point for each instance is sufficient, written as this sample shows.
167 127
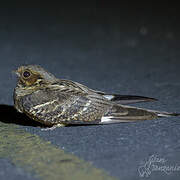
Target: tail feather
165 114
130 114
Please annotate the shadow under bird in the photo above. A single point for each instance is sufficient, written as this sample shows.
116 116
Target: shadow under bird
55 102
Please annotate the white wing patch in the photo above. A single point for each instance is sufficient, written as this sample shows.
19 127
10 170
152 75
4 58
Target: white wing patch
106 119
109 97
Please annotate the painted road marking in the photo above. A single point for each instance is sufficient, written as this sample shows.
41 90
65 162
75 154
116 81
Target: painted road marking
43 159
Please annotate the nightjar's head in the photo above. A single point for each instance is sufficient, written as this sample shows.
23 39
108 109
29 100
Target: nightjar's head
33 76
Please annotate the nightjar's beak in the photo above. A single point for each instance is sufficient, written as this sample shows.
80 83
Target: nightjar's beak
16 72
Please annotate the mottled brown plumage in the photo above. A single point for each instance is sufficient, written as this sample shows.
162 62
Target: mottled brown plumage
52 101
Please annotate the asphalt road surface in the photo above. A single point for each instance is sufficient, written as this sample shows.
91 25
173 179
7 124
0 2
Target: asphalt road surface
127 50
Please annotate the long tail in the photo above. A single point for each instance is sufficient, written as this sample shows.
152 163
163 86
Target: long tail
165 114
122 113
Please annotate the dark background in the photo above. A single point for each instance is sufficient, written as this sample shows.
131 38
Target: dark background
131 48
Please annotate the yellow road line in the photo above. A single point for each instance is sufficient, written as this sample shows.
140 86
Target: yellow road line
43 159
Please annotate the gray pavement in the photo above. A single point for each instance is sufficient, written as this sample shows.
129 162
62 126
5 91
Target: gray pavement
124 50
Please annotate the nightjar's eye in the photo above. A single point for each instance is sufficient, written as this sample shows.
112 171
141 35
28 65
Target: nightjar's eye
26 74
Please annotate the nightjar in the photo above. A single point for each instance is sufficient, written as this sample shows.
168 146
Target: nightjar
52 101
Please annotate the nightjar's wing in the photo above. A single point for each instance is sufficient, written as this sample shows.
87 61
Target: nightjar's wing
66 104
126 99
117 98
